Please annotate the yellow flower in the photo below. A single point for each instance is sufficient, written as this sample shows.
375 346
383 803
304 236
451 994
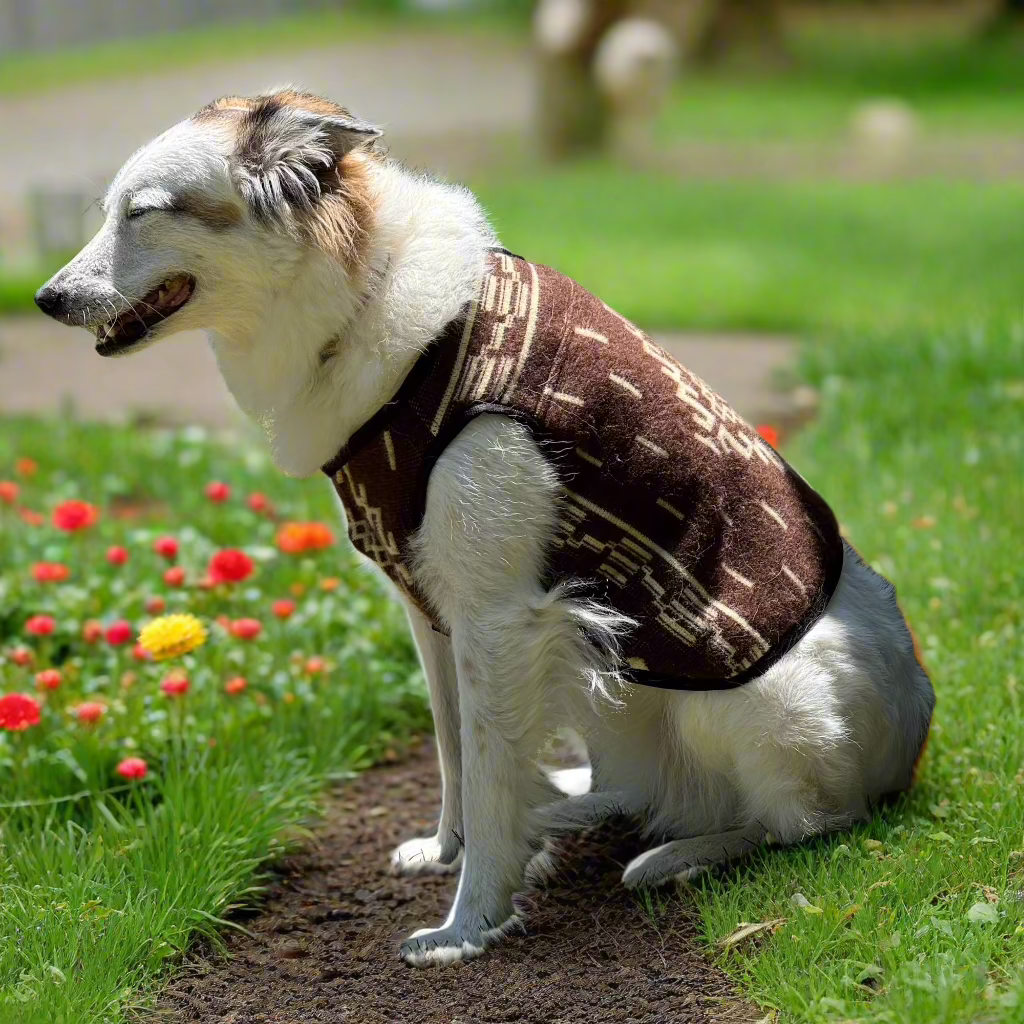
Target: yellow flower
170 636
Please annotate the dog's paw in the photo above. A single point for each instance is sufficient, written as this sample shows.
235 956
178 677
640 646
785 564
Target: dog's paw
436 947
660 865
426 856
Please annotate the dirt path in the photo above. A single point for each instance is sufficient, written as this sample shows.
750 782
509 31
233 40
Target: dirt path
48 369
324 948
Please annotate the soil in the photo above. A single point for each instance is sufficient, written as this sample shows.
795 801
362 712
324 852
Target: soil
324 946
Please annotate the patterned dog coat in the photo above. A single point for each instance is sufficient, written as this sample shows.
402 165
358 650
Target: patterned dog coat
673 509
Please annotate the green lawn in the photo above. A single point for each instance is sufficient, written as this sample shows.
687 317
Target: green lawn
918 917
103 881
785 257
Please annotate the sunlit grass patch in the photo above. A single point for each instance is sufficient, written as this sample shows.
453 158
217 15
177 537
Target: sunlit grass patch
918 916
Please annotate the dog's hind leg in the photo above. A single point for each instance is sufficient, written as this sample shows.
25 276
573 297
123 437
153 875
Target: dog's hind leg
442 852
686 858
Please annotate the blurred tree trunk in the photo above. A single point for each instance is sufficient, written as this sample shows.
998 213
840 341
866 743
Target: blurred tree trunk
572 118
750 29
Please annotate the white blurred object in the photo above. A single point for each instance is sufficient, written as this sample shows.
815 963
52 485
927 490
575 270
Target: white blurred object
634 65
559 25
884 123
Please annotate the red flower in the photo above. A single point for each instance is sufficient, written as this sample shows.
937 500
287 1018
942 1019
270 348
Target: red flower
233 687
117 555
119 633
218 492
75 515
175 685
26 467
132 768
246 629
90 711
41 625
283 609
50 572
259 502
167 547
769 434
315 666
21 656
30 517
18 711
9 492
175 576
48 679
139 653
92 631
296 538
230 566
155 605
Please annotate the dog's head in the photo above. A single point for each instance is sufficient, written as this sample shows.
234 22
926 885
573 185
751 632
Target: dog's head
204 222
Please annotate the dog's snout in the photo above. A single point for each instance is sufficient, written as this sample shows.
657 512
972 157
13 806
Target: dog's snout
50 300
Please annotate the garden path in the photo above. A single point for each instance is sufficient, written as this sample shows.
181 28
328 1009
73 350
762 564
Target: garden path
323 948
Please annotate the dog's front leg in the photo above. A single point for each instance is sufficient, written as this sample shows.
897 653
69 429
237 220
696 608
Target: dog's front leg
499 785
441 852
490 513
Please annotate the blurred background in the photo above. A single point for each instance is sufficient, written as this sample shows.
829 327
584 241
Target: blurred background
785 167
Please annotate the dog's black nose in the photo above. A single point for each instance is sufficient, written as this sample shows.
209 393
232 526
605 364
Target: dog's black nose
50 300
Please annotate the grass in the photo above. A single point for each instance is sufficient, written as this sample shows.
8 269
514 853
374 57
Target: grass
770 256
103 882
954 84
917 916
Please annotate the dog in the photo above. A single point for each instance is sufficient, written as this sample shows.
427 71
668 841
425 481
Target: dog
324 273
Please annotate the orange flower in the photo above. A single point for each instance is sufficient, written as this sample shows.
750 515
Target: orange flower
315 666
26 467
18 711
9 492
769 434
30 517
155 605
330 583
283 609
75 515
233 687
296 538
90 711
132 768
50 572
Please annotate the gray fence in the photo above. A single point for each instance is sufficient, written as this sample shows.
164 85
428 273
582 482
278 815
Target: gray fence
48 24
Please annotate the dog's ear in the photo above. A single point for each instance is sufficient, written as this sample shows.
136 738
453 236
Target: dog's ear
289 148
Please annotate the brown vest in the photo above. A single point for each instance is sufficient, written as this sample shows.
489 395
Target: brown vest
675 511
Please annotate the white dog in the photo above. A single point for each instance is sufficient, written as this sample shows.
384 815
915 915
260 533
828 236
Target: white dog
323 271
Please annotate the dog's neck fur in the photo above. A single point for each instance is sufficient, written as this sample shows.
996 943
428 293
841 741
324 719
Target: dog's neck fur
330 348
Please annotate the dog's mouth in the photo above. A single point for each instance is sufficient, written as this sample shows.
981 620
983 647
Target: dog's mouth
129 329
